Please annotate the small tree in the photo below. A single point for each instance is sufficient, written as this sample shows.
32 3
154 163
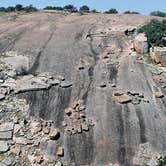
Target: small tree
10 9
155 31
94 11
70 8
111 11
84 9
30 8
18 7
2 9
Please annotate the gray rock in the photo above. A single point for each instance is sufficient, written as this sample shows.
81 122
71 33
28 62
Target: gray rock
8 126
6 135
3 146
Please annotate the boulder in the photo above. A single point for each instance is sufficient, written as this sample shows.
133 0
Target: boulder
54 133
158 54
141 44
60 151
122 99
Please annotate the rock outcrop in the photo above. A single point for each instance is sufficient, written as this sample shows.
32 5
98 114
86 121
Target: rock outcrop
158 54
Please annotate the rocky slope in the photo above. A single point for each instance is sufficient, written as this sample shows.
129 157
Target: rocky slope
74 92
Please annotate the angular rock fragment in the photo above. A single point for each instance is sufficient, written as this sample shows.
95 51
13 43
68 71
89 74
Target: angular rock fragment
54 134
85 127
60 151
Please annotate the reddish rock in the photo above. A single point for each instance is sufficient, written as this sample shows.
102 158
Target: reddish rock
122 99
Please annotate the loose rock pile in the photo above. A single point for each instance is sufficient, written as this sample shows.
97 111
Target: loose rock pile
75 119
23 139
124 97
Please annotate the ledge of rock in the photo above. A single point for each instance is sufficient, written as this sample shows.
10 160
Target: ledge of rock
158 54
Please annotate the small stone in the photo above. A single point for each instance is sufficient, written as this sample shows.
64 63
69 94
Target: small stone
54 133
3 146
60 151
159 95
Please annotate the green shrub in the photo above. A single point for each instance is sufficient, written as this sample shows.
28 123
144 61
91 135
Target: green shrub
158 13
70 8
111 11
155 31
84 8
53 8
129 12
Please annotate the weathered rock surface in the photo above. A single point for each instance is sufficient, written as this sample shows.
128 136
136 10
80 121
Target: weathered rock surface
99 130
141 44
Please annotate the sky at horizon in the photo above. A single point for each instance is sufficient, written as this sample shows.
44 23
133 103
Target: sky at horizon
142 6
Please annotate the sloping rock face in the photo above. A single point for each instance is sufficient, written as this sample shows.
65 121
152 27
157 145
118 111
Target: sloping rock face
141 43
96 128
158 54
